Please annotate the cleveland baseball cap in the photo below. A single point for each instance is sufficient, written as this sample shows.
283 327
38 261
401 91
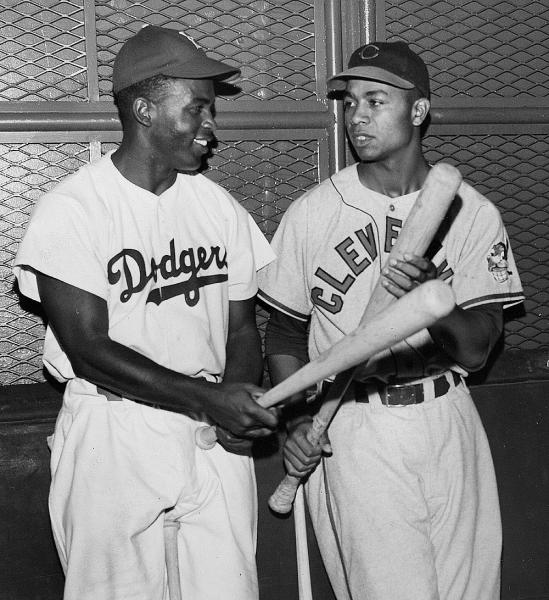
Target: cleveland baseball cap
389 62
158 50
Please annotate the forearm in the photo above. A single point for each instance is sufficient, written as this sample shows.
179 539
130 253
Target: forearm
244 360
118 368
286 350
281 366
468 336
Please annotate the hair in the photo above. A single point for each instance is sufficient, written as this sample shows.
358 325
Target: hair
414 94
151 89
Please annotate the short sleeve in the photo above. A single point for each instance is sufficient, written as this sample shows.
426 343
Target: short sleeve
263 253
283 284
60 241
485 269
240 256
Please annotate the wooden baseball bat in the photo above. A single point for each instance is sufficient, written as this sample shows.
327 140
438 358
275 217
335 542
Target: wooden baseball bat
304 584
416 310
422 223
424 220
172 558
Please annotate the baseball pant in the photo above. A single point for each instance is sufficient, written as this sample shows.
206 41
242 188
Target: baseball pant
116 468
406 508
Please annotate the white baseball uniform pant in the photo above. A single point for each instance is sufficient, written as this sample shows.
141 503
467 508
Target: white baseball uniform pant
116 468
413 505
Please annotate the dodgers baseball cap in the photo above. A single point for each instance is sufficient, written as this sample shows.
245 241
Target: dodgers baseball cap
389 62
158 50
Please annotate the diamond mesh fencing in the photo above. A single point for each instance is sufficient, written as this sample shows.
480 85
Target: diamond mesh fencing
50 51
477 48
273 42
42 50
26 172
43 44
509 170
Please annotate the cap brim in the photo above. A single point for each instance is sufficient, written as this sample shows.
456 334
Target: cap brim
338 82
205 68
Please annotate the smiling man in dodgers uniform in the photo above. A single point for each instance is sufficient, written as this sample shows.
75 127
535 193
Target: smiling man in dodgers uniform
146 271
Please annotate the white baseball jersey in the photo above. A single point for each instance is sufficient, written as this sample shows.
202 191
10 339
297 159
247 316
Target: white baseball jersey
333 241
166 265
406 505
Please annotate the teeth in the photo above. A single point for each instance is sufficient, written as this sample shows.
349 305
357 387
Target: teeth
201 142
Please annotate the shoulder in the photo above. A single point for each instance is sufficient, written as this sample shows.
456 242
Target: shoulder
471 205
77 194
326 197
212 196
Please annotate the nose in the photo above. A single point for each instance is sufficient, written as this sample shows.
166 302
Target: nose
209 122
361 114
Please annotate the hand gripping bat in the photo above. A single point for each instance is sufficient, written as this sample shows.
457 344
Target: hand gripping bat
418 309
425 218
422 223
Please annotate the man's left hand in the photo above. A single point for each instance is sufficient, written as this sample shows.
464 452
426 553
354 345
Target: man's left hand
233 443
402 275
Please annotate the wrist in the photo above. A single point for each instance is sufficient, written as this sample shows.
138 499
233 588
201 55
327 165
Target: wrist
292 424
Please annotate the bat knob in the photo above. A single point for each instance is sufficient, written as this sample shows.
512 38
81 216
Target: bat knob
205 437
282 499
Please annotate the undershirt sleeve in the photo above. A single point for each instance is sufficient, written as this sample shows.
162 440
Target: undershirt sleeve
286 335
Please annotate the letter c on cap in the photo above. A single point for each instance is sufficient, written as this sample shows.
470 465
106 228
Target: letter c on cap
369 51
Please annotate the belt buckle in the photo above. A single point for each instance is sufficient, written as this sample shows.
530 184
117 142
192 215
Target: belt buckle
402 395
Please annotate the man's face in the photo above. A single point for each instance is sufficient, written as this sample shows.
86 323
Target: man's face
182 123
378 119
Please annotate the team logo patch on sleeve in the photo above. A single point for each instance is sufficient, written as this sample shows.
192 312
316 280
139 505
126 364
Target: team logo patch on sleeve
497 262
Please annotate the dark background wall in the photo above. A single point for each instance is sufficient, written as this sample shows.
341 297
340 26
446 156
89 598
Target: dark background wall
278 137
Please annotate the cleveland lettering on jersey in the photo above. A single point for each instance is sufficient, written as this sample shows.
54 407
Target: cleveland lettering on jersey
358 252
132 266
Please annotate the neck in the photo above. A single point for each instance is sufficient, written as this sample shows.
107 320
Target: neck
141 169
394 177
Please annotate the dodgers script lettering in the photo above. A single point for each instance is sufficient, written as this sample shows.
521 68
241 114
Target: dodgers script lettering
137 273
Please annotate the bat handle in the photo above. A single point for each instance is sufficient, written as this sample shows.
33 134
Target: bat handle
282 499
205 437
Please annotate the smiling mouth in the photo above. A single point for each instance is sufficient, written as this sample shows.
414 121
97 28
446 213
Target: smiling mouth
362 137
201 142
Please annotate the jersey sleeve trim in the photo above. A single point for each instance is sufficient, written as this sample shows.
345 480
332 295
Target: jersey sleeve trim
507 300
281 307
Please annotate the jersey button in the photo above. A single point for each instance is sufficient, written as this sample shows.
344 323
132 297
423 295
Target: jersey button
391 207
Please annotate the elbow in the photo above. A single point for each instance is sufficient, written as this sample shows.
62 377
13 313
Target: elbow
82 367
85 359
475 358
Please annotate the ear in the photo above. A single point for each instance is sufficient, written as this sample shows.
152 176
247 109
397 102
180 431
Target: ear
420 110
141 110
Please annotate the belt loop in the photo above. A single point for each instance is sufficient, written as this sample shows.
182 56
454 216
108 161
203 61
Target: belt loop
454 379
428 389
374 399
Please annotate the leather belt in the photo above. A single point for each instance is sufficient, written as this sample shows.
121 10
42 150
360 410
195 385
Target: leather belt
399 394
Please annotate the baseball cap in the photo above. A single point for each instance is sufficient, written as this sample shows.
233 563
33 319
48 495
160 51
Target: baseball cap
158 50
389 62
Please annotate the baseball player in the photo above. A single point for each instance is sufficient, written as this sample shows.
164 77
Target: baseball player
146 272
405 505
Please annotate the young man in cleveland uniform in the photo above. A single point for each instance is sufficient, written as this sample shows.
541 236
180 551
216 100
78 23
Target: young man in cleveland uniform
146 272
406 505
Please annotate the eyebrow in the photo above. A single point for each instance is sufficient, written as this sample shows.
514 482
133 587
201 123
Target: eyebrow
367 94
202 100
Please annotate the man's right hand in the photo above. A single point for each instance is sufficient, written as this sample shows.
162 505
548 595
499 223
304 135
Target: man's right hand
300 456
235 409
